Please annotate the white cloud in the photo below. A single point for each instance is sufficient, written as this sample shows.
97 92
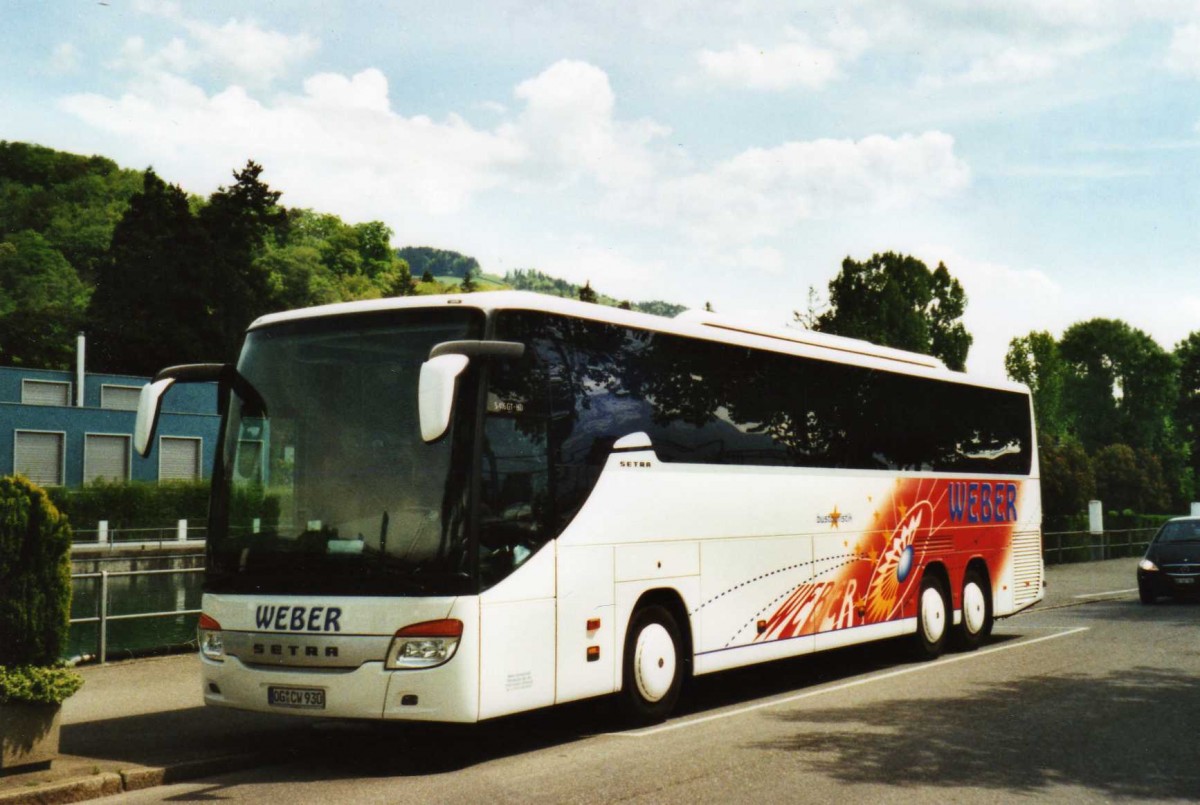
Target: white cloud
764 259
763 192
570 129
240 51
798 62
1183 54
248 53
65 58
336 146
1003 302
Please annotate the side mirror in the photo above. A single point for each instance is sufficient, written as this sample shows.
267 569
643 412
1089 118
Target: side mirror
150 401
435 398
149 407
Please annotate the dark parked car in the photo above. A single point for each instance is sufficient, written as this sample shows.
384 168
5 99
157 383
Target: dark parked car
1171 565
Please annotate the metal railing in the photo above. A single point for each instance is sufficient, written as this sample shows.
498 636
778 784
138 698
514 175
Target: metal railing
103 536
1060 547
103 618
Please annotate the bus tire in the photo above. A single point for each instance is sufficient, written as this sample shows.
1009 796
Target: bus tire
652 668
933 609
976 611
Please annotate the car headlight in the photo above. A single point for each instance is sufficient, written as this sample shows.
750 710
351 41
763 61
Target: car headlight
209 634
1146 564
424 645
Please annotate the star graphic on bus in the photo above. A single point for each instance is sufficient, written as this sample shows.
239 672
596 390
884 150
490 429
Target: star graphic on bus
834 516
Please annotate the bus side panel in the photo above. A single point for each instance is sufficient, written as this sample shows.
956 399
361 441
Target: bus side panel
585 599
516 639
740 580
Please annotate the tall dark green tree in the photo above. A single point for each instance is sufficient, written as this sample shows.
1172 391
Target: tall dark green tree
239 220
587 294
896 301
152 303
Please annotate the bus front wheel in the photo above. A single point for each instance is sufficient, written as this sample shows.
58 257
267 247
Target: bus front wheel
652 674
932 611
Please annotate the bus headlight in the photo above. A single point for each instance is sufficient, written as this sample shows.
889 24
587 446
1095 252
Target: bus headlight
209 634
424 645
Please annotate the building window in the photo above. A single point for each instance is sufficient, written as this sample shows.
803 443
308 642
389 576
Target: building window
120 398
105 456
45 392
40 456
179 458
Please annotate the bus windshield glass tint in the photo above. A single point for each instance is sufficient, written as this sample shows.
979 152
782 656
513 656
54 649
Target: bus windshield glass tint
326 485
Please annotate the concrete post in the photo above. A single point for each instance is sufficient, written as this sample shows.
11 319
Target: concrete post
256 525
1195 509
181 531
102 532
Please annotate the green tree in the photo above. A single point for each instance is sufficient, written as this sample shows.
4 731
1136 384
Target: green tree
1130 479
153 306
1187 408
1068 482
469 285
896 301
1119 386
239 221
42 302
1034 360
586 294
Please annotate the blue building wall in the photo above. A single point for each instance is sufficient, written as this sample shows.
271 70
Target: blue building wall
189 410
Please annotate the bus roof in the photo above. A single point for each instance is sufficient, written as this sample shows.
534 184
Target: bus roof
690 323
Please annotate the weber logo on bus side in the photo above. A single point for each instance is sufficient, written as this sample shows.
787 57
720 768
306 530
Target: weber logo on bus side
298 619
982 502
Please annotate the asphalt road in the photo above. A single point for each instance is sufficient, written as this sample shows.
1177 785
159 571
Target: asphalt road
1091 697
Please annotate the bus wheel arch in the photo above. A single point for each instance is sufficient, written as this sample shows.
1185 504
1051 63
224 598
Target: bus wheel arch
977 615
657 657
934 612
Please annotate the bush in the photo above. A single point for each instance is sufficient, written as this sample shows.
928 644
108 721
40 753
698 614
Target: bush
35 594
37 685
35 575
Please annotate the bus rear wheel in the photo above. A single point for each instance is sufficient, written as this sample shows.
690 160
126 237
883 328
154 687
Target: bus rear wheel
976 611
652 669
932 609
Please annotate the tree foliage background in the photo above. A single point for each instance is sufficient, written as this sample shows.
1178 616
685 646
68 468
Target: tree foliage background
156 276
895 300
1117 416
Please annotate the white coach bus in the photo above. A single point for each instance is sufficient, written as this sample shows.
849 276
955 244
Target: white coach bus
454 508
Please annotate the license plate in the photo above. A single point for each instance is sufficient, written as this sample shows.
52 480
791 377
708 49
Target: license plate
1185 581
300 698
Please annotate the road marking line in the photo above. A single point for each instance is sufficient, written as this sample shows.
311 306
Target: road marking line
1110 592
844 686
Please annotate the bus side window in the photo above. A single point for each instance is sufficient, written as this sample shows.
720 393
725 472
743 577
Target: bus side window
514 500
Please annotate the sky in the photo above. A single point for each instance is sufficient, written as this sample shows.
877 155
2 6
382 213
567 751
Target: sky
725 152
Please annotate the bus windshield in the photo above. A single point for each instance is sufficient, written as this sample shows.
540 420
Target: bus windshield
325 485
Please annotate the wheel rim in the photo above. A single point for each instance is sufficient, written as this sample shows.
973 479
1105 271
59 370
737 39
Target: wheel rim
654 662
974 608
933 614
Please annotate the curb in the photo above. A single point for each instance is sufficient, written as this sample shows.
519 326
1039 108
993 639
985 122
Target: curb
135 778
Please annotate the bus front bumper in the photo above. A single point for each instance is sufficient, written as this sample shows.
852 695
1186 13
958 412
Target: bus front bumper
446 693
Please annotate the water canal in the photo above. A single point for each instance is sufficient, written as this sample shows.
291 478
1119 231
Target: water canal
149 590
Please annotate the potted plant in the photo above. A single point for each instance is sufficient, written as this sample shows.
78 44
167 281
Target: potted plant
35 606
